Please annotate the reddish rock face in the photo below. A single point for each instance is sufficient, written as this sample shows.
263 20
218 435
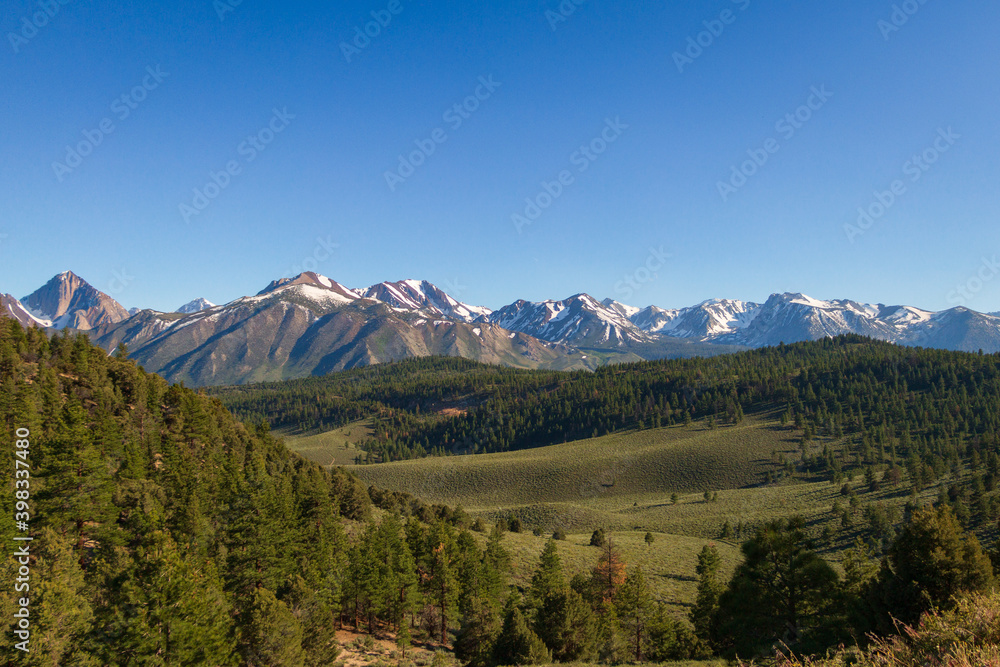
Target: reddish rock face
69 301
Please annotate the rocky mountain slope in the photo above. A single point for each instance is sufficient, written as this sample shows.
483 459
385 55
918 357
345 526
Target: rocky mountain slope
311 324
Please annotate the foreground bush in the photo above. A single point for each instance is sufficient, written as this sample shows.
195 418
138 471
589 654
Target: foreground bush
967 636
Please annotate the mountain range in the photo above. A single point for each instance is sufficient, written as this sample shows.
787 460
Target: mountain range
311 324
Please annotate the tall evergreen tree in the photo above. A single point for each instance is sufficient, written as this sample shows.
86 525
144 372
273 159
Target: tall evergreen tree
566 624
273 636
61 611
932 560
635 607
517 643
782 591
478 632
548 578
709 590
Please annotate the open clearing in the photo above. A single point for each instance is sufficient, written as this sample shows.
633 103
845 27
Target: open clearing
338 447
657 461
624 483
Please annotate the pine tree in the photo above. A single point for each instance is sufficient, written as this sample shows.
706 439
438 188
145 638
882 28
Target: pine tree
670 639
160 603
608 575
635 606
782 591
548 578
315 616
709 590
477 634
61 612
612 648
932 560
442 584
273 637
518 644
565 622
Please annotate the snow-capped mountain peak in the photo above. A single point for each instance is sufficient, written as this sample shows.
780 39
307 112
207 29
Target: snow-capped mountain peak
68 300
196 306
423 296
624 309
580 319
311 285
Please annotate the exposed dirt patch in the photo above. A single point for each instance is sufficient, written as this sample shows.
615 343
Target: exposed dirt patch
359 651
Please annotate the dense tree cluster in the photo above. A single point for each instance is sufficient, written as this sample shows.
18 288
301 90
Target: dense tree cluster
165 529
783 595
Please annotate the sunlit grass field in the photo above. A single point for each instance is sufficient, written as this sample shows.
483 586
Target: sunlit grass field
629 483
679 459
337 447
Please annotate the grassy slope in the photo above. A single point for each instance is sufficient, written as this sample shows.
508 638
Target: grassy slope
644 463
623 483
337 447
619 481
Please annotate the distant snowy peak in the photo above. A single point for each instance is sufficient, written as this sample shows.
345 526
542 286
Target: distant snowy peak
424 296
196 306
579 320
793 317
68 300
312 280
654 319
621 308
707 320
904 315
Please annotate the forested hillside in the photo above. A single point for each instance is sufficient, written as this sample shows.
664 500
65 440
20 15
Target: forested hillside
165 531
885 408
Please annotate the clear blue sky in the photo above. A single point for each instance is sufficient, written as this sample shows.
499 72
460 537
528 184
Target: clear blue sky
657 184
